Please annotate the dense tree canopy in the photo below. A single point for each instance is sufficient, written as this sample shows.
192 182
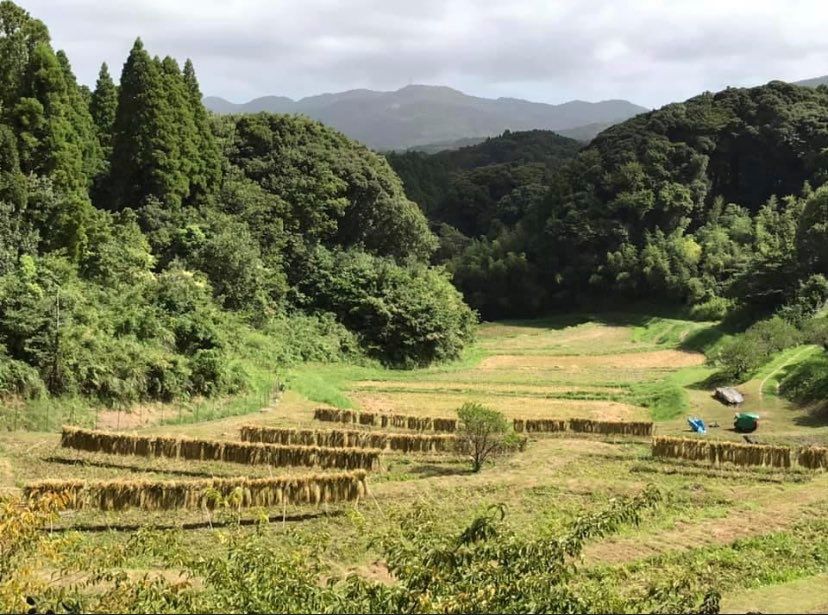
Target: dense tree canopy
705 203
42 103
471 187
325 188
205 232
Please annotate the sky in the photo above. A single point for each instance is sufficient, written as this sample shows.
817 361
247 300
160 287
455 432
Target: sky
647 51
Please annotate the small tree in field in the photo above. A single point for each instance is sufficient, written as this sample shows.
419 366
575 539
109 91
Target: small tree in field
486 433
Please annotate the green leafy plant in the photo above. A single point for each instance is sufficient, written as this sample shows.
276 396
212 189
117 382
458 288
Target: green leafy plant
486 433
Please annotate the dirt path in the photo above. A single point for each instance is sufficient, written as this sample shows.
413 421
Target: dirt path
780 368
773 513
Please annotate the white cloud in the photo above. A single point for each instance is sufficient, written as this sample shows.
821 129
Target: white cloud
648 51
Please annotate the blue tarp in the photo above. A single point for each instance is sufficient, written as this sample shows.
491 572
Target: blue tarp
697 425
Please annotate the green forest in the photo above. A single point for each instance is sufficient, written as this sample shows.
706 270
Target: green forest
153 251
715 207
713 204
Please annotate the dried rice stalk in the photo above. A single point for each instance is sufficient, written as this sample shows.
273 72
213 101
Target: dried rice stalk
194 494
417 423
215 450
401 442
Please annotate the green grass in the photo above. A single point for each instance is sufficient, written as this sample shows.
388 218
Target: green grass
664 399
675 333
805 595
667 398
328 383
772 373
321 384
554 480
778 557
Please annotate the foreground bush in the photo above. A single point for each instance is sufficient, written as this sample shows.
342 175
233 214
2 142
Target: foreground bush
486 567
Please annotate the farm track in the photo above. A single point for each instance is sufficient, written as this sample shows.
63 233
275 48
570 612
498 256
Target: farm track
775 511
789 361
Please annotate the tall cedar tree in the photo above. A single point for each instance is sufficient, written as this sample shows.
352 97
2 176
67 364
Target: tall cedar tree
178 121
13 235
144 140
207 172
81 133
103 107
162 146
19 34
41 101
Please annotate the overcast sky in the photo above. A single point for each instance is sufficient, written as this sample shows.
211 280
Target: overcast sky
649 52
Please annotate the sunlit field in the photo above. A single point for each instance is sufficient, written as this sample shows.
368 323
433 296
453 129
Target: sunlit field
729 523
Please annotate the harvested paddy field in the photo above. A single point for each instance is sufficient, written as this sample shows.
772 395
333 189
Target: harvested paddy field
709 516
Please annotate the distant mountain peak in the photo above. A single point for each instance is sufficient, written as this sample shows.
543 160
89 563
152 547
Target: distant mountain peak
420 114
812 83
422 87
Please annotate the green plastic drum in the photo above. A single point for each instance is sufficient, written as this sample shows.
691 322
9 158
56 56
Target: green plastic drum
746 422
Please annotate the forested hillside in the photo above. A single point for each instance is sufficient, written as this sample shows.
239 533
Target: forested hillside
149 251
709 203
483 191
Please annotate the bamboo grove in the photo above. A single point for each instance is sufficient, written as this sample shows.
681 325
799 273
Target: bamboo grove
418 423
399 442
249 453
717 452
240 492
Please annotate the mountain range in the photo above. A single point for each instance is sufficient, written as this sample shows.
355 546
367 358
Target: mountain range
421 115
812 83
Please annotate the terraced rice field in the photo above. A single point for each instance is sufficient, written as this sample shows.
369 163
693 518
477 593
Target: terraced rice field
563 368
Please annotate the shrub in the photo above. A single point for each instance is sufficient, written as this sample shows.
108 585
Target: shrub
213 373
806 382
19 380
809 299
753 348
168 377
299 337
715 308
404 315
486 433
816 332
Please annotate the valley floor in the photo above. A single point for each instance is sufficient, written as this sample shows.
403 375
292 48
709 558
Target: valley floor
748 531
